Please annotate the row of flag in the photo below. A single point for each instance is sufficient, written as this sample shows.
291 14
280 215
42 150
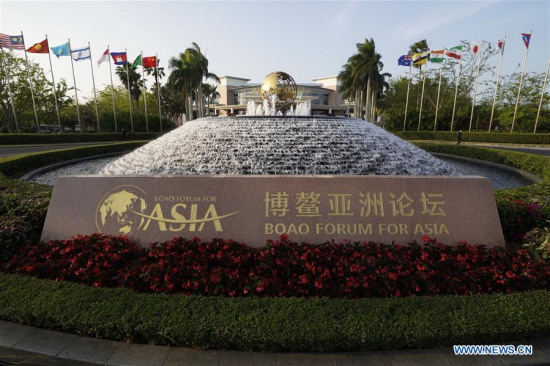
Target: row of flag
437 56
119 58
17 42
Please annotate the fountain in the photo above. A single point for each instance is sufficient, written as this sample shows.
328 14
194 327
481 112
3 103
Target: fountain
278 145
277 171
275 138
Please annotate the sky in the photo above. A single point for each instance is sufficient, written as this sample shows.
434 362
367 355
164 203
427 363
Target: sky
250 39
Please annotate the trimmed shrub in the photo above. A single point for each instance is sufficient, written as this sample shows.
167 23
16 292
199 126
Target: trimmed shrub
537 241
493 137
274 324
22 213
16 166
535 164
520 210
41 138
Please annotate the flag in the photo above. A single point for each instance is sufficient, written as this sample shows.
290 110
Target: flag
455 52
103 58
151 61
526 39
119 58
500 45
41 47
404 60
62 50
137 62
13 42
81 54
420 58
474 47
437 56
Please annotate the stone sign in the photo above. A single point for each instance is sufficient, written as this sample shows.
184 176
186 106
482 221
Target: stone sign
252 209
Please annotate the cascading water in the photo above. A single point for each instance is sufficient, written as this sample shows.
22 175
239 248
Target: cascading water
267 108
278 145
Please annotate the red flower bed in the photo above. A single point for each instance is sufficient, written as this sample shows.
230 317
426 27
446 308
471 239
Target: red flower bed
284 268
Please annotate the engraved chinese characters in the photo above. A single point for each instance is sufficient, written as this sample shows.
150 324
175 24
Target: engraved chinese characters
365 205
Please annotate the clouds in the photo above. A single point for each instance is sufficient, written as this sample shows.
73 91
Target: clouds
342 18
440 15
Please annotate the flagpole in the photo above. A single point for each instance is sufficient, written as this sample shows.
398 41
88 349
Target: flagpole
9 90
112 86
54 90
30 83
541 97
75 92
438 92
144 93
475 88
129 95
158 89
93 83
421 97
496 86
407 100
520 83
456 91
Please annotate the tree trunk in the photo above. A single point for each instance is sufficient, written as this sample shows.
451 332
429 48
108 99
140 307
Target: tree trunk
200 98
360 104
373 106
190 105
368 101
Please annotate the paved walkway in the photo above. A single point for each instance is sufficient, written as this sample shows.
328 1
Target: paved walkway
24 345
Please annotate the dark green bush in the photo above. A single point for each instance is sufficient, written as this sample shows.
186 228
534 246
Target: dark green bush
537 241
22 213
16 166
43 138
536 164
493 137
520 210
274 324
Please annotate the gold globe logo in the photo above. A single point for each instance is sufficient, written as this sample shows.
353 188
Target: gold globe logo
124 210
121 210
281 85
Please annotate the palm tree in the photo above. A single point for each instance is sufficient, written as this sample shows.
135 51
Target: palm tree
360 78
136 83
210 94
158 73
188 71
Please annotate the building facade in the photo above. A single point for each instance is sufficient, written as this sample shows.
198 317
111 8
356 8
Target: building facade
235 92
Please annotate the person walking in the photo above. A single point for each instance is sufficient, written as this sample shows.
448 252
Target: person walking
459 137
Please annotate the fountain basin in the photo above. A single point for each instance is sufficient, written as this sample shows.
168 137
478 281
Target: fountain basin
294 145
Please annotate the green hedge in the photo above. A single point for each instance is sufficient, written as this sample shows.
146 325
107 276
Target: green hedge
536 164
493 137
43 138
16 166
274 324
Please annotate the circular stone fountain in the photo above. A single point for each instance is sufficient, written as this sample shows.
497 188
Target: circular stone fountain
279 145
